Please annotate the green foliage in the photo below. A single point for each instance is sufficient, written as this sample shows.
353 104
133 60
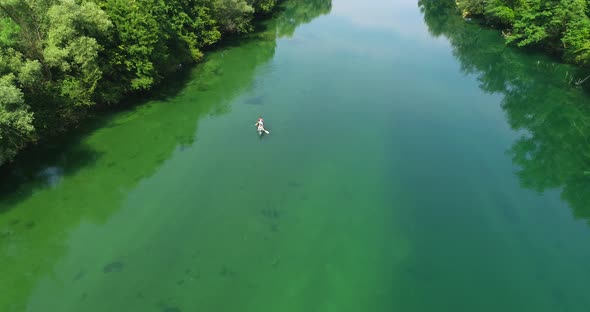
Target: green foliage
8 32
140 41
15 120
29 73
193 24
263 6
233 15
561 26
71 49
58 58
576 39
500 13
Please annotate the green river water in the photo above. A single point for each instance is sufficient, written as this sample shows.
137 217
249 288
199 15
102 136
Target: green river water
415 163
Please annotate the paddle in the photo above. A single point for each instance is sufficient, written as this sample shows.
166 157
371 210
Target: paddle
265 131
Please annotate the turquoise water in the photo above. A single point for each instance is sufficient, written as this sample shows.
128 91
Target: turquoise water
414 164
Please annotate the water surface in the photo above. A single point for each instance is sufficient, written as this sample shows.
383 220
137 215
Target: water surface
414 164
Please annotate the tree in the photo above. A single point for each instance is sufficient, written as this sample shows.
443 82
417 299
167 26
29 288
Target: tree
15 119
193 25
233 16
263 6
72 49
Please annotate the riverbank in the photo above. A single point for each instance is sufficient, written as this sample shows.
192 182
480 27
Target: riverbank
561 29
56 74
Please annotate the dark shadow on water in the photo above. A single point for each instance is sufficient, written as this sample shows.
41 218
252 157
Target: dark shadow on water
15 177
116 266
67 151
581 78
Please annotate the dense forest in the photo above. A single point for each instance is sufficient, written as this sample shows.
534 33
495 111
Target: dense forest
560 26
61 58
552 115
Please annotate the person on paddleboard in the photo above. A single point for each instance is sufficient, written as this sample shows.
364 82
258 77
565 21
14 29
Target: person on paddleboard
260 126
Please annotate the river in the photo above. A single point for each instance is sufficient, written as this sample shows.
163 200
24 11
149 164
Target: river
414 163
